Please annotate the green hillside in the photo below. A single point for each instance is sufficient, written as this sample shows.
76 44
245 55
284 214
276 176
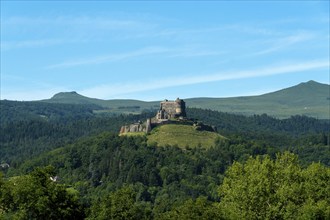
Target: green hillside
117 106
73 98
310 99
182 136
99 170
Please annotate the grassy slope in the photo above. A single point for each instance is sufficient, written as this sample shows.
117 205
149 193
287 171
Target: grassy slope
133 134
182 136
310 99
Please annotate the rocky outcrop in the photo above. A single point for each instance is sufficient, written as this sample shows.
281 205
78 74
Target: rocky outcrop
199 126
132 128
136 127
148 125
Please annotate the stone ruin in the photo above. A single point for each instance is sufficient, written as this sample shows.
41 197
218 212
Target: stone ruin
137 127
171 110
168 110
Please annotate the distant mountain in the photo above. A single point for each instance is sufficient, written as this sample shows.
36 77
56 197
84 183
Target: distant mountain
73 98
111 106
310 98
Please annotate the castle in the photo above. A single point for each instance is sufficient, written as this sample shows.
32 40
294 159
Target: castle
169 110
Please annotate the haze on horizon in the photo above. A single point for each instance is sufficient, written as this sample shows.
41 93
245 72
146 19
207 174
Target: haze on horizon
154 50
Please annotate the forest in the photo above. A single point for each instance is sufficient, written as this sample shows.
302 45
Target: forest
66 162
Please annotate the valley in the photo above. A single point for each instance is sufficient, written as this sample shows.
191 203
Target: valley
57 151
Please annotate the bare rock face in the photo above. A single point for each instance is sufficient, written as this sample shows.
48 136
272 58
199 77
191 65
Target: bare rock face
122 130
136 127
131 128
148 125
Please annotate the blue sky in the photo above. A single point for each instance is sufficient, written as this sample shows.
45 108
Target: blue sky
156 50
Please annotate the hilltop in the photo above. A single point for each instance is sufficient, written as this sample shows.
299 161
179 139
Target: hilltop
182 136
179 135
171 127
309 98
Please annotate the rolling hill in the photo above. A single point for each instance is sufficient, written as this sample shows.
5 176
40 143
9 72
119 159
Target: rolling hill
310 98
116 106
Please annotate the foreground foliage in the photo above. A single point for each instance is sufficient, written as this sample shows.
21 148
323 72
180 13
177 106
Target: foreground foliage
36 196
263 188
260 188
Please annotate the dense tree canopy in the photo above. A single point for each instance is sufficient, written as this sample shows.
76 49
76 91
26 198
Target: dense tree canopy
36 196
263 188
260 188
105 176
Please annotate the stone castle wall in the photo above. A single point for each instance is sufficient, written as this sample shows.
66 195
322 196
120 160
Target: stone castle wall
137 127
172 109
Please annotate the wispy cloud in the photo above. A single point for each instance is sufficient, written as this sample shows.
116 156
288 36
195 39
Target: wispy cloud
74 21
184 33
285 42
36 89
32 95
110 58
66 29
196 53
115 90
167 52
10 45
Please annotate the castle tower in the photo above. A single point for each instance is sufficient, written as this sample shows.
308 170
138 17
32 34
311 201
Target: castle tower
180 108
171 109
